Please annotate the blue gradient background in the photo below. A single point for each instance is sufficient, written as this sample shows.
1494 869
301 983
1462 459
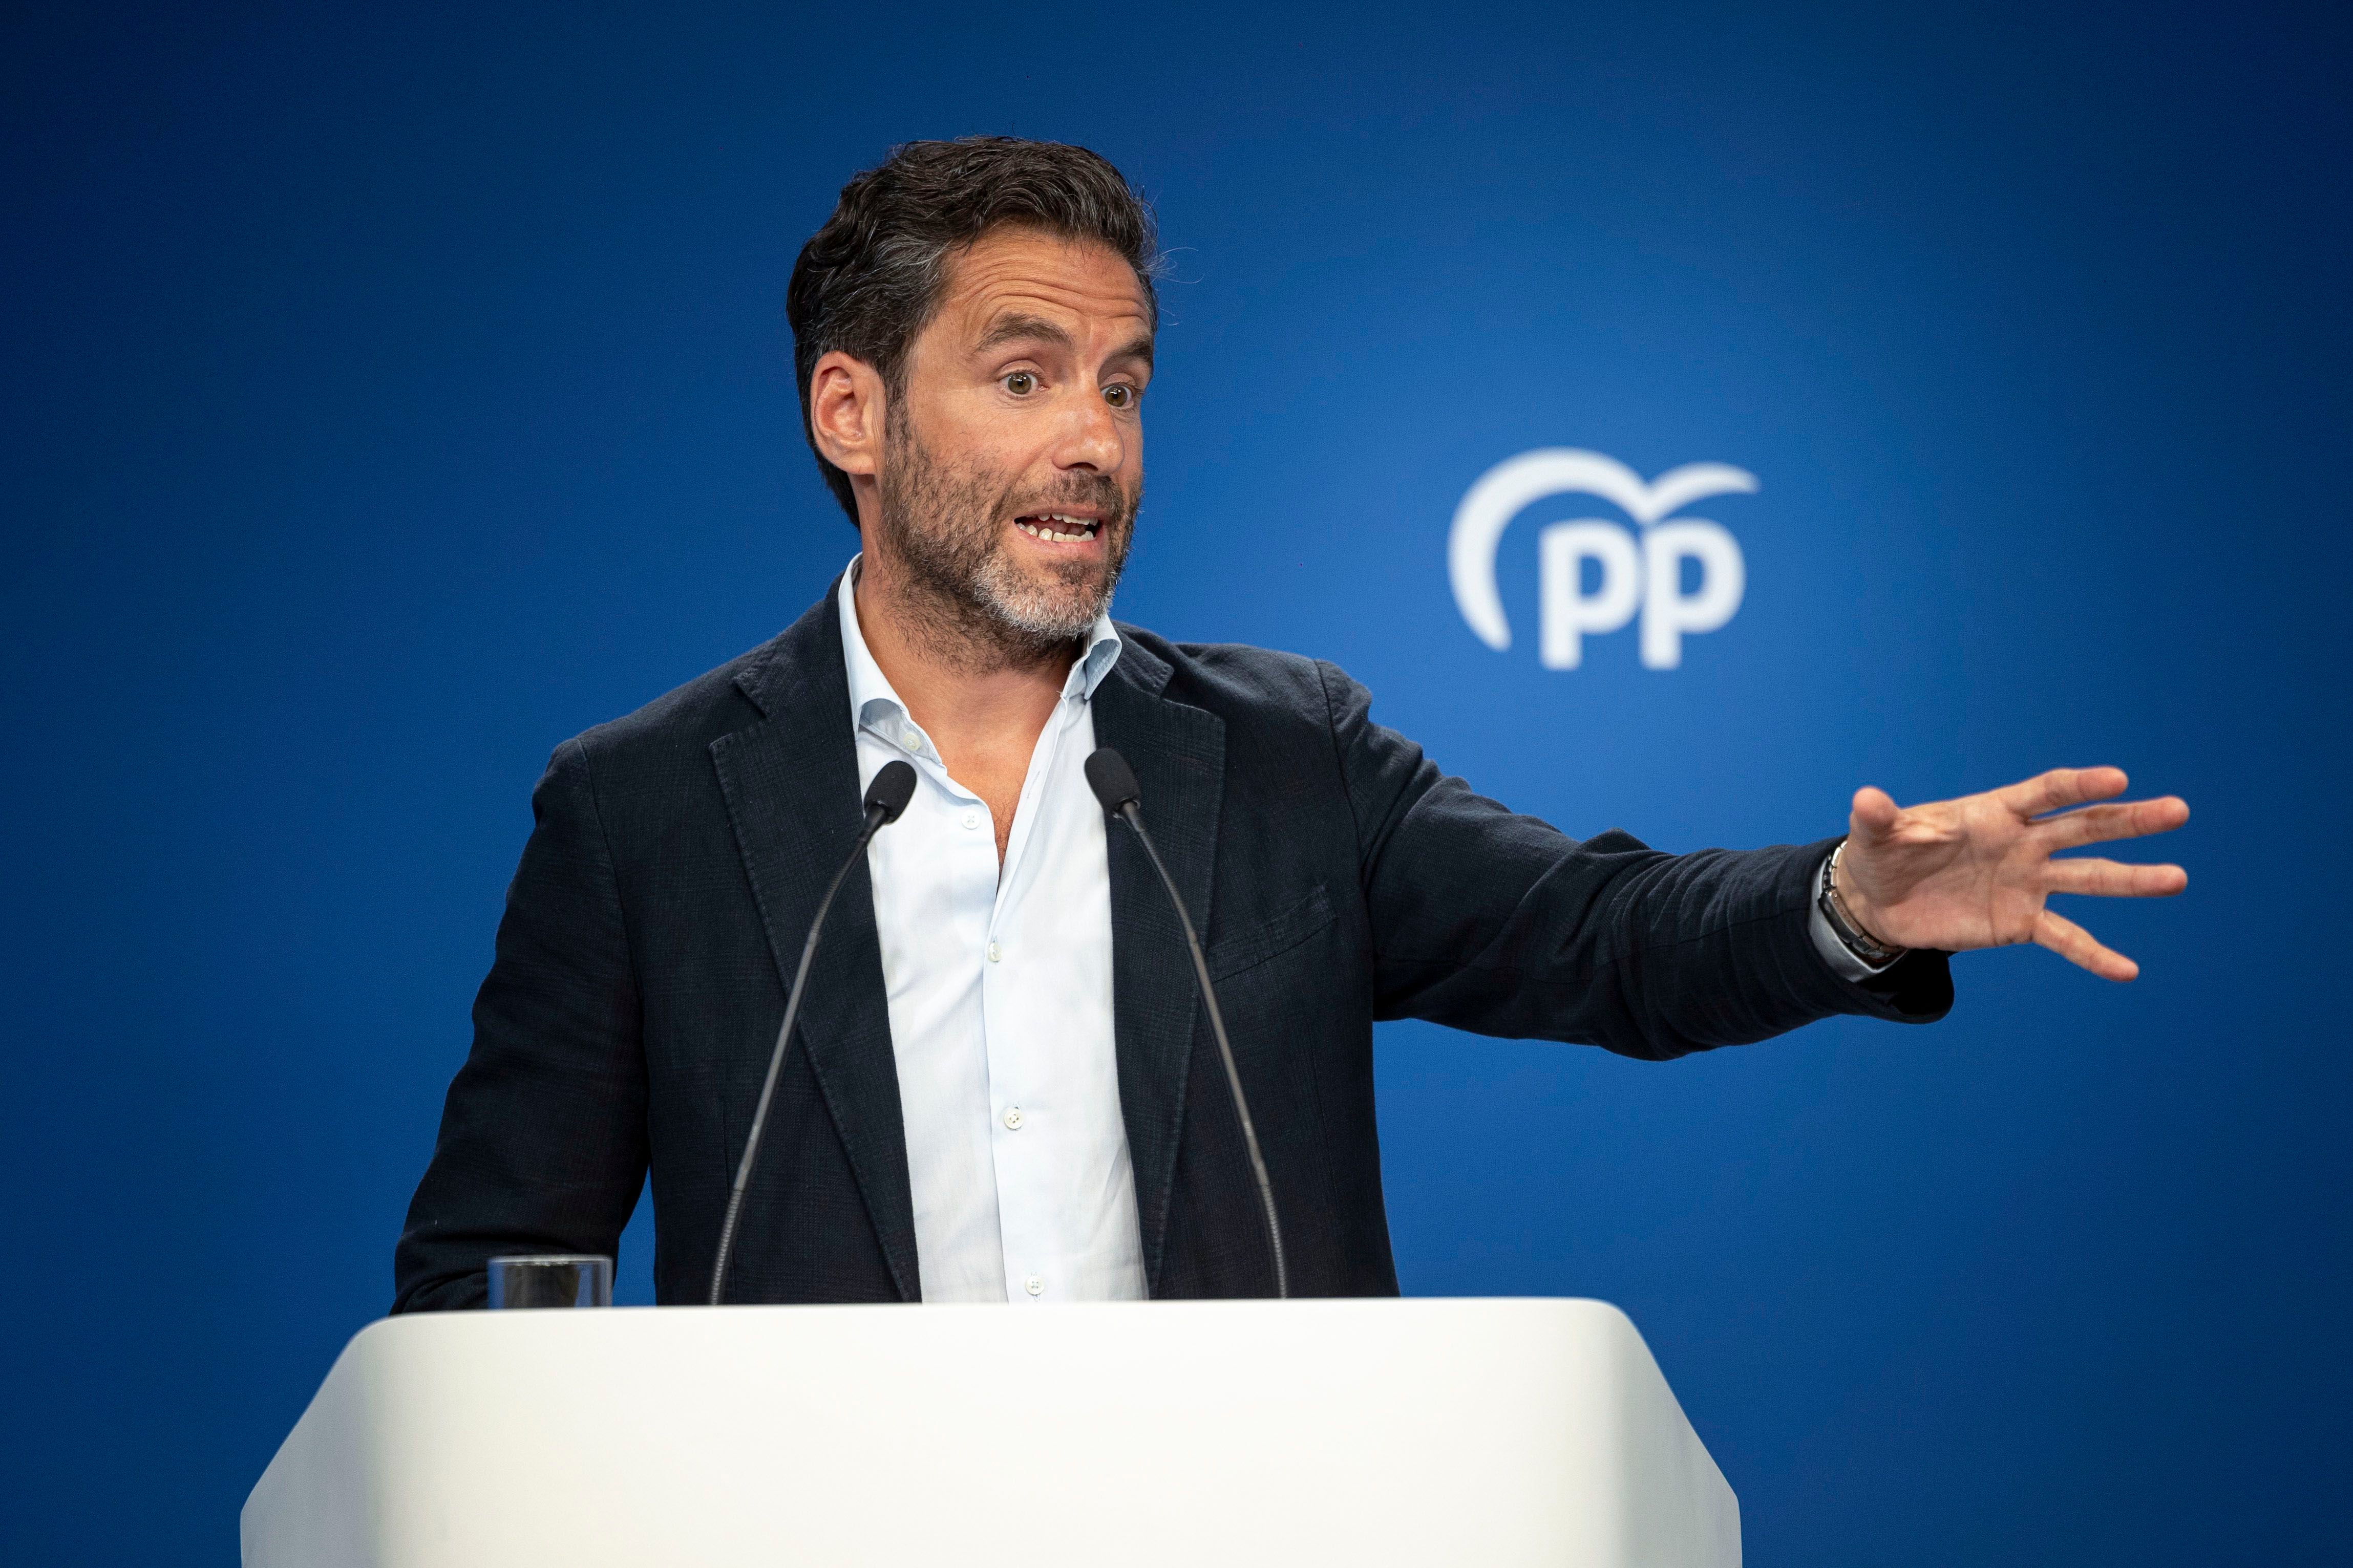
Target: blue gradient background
390 397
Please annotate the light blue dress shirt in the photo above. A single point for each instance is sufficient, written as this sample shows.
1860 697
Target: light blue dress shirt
1000 982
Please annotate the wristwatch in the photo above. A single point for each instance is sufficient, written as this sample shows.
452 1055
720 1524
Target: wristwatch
1865 947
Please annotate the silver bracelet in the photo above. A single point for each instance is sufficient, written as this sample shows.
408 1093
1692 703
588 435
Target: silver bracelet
1858 941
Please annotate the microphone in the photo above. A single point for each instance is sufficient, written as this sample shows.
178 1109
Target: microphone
1113 783
886 797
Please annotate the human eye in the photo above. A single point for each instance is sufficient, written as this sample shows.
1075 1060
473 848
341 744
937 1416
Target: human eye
1122 395
1021 383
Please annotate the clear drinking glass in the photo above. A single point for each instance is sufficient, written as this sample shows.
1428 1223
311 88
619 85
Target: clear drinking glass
552 1279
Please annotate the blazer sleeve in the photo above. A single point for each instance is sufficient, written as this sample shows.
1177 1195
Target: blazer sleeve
1498 923
542 1145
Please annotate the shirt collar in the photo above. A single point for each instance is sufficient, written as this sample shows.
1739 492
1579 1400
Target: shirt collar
870 693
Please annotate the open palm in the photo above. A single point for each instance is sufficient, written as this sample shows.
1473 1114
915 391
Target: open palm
1976 872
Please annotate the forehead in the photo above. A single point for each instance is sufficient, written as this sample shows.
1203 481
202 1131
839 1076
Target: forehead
1080 284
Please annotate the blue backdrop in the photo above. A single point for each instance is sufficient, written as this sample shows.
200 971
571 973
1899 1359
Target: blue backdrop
391 396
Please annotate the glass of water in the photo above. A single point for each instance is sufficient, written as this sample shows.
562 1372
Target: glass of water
552 1279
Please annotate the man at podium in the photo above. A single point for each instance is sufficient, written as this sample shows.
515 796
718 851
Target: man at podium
1002 1085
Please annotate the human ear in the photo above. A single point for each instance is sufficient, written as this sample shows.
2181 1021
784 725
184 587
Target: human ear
846 413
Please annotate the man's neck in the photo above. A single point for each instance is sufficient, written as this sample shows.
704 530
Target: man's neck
981 700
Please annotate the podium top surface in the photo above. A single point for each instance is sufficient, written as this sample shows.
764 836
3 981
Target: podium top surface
1499 1430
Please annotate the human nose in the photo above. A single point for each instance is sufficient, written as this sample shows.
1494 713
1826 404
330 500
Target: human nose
1092 436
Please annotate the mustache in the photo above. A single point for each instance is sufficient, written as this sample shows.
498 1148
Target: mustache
1097 493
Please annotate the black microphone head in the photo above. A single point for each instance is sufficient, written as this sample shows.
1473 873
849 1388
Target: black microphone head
892 788
1112 781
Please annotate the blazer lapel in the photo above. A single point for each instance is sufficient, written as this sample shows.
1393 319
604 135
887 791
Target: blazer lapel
791 787
1178 753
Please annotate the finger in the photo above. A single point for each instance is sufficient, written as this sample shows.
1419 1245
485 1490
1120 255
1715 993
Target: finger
2128 819
2113 880
2077 946
2061 788
1874 811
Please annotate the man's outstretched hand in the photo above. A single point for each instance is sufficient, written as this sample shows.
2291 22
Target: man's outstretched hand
1974 872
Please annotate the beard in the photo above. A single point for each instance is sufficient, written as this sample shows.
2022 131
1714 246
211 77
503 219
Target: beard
948 530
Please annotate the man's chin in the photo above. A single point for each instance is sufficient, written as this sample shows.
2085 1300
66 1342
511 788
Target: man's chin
1047 623
1053 610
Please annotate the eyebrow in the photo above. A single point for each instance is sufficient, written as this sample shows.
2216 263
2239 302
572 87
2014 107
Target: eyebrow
1037 329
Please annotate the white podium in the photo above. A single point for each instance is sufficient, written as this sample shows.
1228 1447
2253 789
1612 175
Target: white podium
1239 1433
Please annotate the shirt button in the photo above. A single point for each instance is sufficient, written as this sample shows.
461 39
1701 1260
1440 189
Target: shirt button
1035 1285
914 741
1013 1119
992 953
972 819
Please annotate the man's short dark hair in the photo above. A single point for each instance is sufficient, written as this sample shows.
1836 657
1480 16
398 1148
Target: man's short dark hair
869 280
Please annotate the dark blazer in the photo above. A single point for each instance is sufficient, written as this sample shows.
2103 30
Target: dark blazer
1338 879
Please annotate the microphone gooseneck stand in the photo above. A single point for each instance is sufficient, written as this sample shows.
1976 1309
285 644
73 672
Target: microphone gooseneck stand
1113 783
886 797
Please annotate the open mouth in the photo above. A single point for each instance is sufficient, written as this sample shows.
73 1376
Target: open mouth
1058 528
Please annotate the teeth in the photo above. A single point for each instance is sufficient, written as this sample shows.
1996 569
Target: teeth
1079 528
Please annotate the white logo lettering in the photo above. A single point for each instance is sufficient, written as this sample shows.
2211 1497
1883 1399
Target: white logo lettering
1647 576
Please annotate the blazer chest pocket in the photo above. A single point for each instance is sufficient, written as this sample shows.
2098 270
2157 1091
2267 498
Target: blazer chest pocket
1248 948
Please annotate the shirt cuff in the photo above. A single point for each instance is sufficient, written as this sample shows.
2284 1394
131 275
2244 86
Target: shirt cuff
1842 958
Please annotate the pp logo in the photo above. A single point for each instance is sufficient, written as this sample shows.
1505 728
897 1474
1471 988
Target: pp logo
1645 575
